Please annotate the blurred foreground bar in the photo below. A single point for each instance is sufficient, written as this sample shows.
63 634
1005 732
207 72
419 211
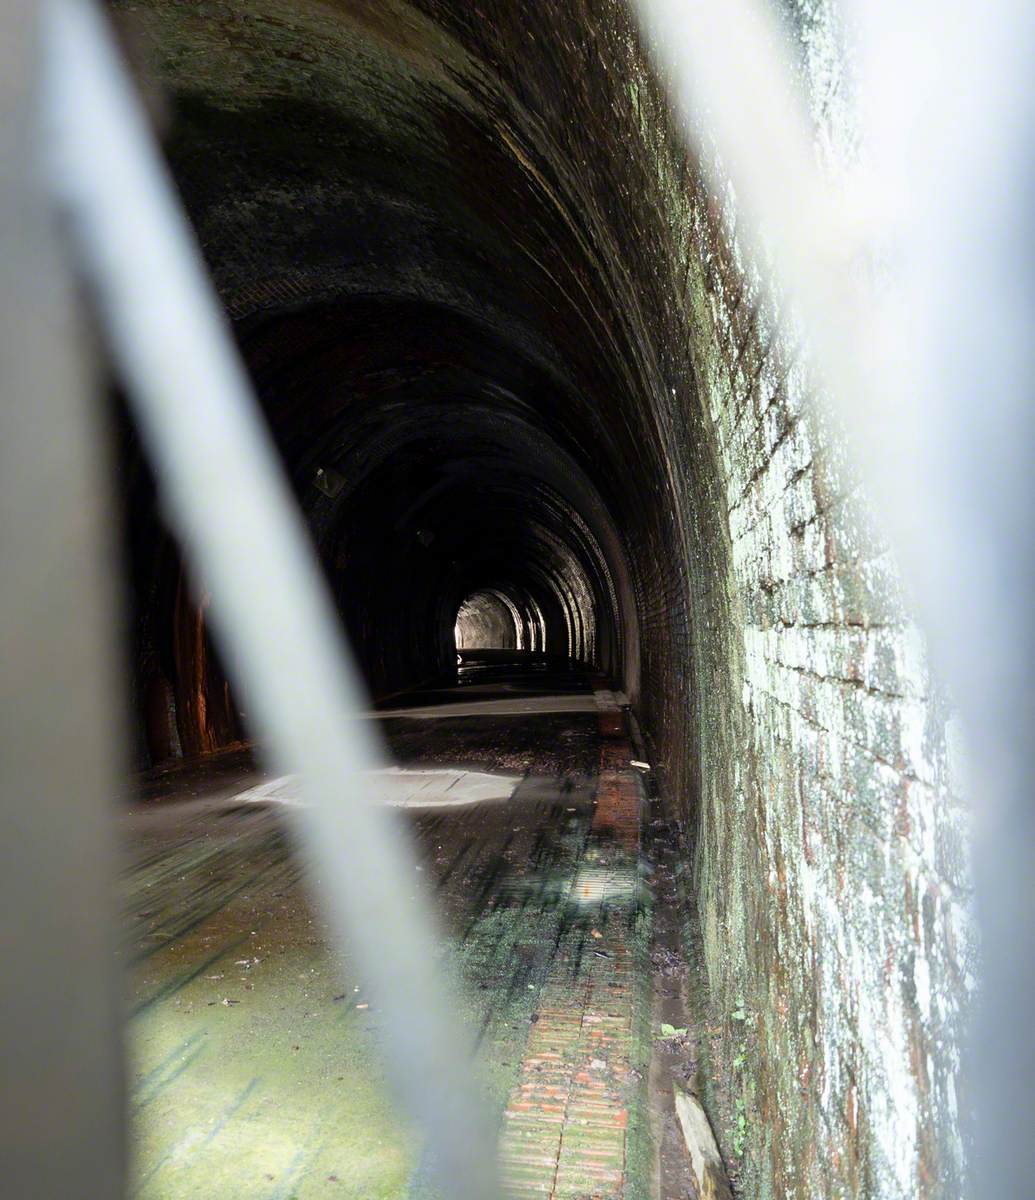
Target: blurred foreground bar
61 1114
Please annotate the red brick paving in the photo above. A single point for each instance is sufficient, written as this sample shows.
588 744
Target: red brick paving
565 1126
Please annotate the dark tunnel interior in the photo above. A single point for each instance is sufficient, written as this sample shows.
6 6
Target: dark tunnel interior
432 466
428 311
531 404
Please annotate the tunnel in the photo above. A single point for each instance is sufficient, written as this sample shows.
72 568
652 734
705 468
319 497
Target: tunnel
545 437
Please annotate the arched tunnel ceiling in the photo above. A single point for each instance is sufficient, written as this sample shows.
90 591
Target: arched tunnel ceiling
447 243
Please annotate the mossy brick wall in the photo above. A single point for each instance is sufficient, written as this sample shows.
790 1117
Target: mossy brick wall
831 861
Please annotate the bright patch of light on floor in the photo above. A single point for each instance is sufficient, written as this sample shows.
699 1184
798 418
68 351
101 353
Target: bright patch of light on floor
592 885
400 787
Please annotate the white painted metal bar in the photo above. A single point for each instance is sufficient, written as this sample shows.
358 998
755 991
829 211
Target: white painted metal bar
61 1095
225 494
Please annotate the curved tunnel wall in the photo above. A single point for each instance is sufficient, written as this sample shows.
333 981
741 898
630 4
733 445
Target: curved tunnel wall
503 342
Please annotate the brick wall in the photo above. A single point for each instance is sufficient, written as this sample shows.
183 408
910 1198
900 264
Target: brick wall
830 835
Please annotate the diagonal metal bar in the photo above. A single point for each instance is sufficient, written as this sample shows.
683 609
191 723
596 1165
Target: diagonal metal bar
226 496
